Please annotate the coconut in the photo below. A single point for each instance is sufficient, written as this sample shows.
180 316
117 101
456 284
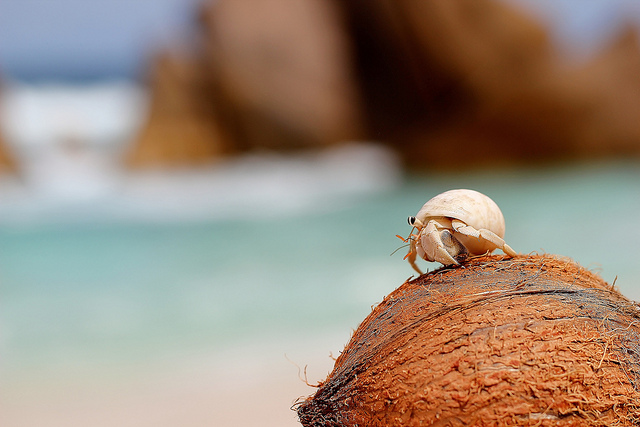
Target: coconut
530 340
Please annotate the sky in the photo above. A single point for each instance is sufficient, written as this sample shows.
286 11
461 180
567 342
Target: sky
87 39
582 27
80 40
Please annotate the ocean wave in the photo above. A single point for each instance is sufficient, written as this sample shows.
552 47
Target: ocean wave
252 187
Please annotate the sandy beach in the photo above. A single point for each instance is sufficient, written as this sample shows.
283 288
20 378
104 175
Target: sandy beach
246 385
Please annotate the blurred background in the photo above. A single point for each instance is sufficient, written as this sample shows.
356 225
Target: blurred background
199 199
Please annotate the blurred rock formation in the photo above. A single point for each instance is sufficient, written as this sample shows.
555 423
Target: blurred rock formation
437 78
448 84
281 72
477 82
181 129
7 161
612 82
271 75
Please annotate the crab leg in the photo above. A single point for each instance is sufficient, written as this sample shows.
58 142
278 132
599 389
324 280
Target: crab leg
482 234
411 256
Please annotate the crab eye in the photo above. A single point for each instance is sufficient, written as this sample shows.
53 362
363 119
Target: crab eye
411 220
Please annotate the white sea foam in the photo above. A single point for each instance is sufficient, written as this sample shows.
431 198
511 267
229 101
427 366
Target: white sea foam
251 187
69 142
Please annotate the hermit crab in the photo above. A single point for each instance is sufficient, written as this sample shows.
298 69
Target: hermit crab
455 225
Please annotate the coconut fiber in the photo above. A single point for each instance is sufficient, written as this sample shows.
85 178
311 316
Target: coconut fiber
530 340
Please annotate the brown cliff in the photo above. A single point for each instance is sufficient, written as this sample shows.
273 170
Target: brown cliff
447 84
181 129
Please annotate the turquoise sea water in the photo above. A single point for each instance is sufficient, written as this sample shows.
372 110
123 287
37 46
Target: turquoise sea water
102 295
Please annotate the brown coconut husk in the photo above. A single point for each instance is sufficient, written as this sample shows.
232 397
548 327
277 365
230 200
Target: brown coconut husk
531 340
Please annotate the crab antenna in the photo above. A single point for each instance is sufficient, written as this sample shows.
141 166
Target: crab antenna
409 237
408 240
403 246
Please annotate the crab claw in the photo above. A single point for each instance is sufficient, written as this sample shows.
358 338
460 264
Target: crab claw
432 243
453 246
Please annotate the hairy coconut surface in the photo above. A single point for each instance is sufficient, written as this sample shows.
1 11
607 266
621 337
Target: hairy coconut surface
531 340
